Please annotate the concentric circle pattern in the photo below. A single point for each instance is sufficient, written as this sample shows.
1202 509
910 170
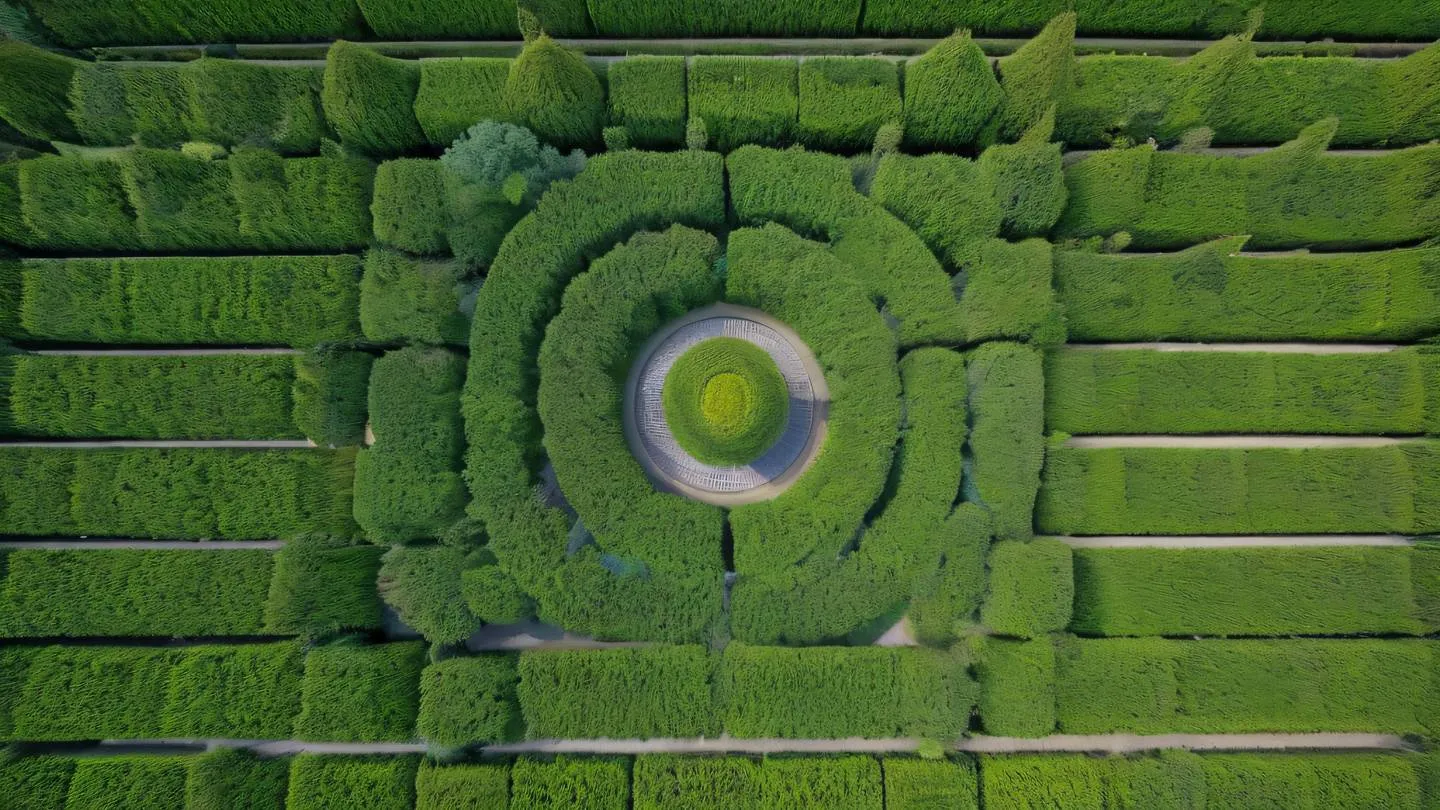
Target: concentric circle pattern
725 401
653 439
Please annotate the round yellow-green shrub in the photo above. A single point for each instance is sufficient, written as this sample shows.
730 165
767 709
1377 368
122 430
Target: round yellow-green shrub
725 401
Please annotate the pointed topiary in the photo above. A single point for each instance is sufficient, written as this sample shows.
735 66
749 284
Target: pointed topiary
552 91
1028 180
34 88
1038 75
950 92
370 100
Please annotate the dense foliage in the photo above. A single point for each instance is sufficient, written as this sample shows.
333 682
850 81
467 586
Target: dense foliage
355 692
641 693
725 401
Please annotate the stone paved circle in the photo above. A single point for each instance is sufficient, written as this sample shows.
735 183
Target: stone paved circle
669 466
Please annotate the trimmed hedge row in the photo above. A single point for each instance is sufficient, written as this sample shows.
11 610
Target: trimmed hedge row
616 195
425 584
455 94
1152 686
1006 390
1017 685
274 300
161 200
322 587
407 483
813 194
218 101
648 96
86 693
1182 779
136 22
323 782
728 18
668 782
1293 196
175 493
1234 491
224 779
1253 591
199 397
584 783
627 693
404 299
1030 588
133 782
360 692
470 700
1211 292
33 88
1109 392
126 592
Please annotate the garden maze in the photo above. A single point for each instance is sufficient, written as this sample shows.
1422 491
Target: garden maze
479 419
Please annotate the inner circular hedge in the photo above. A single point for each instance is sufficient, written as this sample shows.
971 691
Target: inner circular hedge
725 401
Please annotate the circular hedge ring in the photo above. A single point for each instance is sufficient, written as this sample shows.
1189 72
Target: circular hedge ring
725 401
739 405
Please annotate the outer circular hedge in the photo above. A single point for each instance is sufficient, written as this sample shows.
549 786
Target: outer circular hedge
725 401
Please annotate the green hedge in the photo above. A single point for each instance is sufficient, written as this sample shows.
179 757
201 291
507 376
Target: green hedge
723 18
1246 99
127 592
456 94
1154 686
404 299
744 99
1210 292
647 96
1109 392
407 483
669 782
83 693
360 693
950 93
34 88
369 100
469 700
321 782
321 588
1248 592
821 692
843 101
1007 434
553 91
275 300
1033 80
616 195
425 586
200 397
1030 589
813 194
1293 196
114 104
626 693
947 200
1234 491
443 787
583 783
925 784
177 493
410 208
144 22
330 395
410 19
167 201
133 782
36 782
232 779
1017 686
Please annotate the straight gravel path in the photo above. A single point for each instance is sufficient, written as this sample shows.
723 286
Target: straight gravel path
1264 348
1236 541
1228 442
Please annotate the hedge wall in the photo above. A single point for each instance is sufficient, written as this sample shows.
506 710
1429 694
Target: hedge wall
950 93
1110 392
319 588
329 394
1249 592
1292 196
1210 292
175 494
232 779
456 94
926 784
415 19
1017 686
425 586
403 299
843 101
407 483
726 18
647 96
1152 686
321 782
34 84
369 100
584 783
1030 588
191 397
448 786
1234 491
744 99
410 207
141 22
84 693
553 91
1006 388
127 592
360 693
166 201
668 782
134 782
266 300
822 692
624 694
470 700
36 782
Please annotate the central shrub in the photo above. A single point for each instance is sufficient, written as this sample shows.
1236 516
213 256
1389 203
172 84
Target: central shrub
725 401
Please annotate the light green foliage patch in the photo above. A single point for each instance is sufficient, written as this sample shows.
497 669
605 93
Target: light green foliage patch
725 401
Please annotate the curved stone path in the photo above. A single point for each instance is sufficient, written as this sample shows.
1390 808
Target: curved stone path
674 470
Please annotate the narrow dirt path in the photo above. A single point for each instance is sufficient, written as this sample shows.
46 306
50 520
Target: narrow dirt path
1266 348
1248 541
1229 442
144 545
221 444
